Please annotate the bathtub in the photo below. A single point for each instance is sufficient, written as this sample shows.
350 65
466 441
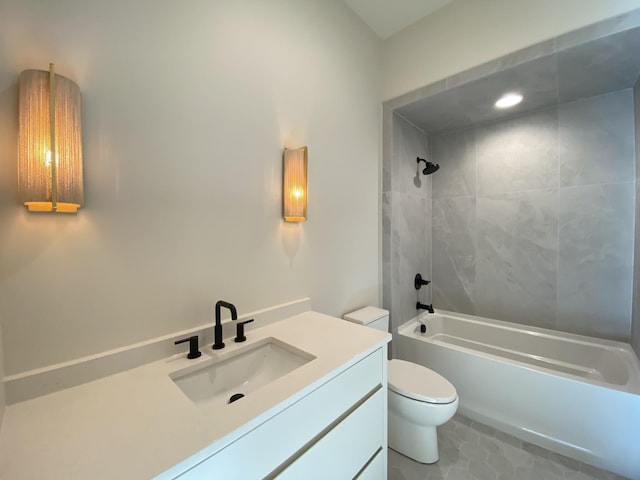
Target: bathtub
575 395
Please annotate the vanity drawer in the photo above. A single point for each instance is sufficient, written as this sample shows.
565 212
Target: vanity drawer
377 469
262 451
347 448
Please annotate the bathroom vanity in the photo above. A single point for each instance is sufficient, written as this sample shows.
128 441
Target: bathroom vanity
322 392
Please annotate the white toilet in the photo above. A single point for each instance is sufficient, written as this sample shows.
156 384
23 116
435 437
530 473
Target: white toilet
419 398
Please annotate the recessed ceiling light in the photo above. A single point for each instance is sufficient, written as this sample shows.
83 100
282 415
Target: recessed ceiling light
508 100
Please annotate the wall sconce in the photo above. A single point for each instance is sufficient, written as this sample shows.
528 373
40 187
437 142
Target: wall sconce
294 192
49 142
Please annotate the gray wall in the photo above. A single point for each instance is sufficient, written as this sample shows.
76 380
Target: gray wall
406 223
533 218
635 321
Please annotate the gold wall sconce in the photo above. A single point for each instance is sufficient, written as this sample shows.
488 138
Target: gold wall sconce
294 191
49 142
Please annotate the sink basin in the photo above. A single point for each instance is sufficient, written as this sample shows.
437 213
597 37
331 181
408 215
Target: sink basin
239 372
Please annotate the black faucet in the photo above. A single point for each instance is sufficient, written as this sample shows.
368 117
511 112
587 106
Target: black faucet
422 306
217 330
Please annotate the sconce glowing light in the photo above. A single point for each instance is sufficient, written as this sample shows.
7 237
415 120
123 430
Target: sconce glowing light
49 142
508 100
294 185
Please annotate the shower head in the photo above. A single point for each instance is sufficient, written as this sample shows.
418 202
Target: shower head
429 167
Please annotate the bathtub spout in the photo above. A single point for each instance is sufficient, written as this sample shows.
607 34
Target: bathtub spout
422 306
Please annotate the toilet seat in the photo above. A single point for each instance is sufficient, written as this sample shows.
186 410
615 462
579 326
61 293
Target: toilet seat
419 383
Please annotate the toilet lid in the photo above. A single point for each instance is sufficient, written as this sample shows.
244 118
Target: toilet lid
418 382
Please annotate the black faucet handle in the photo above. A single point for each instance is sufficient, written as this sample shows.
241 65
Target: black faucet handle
240 337
194 351
418 281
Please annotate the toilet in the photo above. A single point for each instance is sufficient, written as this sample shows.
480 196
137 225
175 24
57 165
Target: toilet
419 398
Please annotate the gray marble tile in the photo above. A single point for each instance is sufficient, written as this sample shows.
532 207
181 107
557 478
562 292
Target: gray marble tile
387 209
409 143
609 64
595 262
596 140
410 254
518 154
516 264
535 80
455 153
406 222
454 253
438 113
635 318
409 215
635 312
636 118
386 286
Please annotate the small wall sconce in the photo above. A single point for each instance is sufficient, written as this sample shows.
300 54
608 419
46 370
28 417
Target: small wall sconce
49 142
294 192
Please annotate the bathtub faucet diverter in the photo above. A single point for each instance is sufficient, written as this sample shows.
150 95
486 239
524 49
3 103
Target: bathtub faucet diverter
217 329
422 306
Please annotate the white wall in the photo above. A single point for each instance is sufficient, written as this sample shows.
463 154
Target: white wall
187 106
467 33
3 401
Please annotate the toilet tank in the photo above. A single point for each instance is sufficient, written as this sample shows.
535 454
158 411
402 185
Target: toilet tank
370 317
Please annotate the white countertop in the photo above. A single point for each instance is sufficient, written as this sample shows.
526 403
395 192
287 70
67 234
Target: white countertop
139 424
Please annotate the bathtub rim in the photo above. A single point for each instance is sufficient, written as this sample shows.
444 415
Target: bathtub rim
630 359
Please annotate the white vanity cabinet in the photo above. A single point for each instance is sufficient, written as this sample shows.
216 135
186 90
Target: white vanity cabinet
337 431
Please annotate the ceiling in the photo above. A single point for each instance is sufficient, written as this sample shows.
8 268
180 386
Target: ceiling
387 17
600 66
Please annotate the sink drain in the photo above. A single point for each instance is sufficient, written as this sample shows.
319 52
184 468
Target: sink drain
235 396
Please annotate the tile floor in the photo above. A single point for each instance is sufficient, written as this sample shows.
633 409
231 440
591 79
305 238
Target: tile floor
472 451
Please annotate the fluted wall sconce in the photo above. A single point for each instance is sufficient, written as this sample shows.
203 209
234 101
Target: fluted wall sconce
294 194
49 142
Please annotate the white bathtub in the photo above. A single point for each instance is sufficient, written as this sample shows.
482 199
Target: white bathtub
575 395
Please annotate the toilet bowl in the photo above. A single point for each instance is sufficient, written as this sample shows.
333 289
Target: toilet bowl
419 401
419 398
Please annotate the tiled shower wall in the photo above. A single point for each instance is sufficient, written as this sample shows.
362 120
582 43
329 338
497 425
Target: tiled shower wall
533 218
635 320
406 223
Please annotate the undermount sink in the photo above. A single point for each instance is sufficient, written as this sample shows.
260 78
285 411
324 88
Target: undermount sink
230 377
